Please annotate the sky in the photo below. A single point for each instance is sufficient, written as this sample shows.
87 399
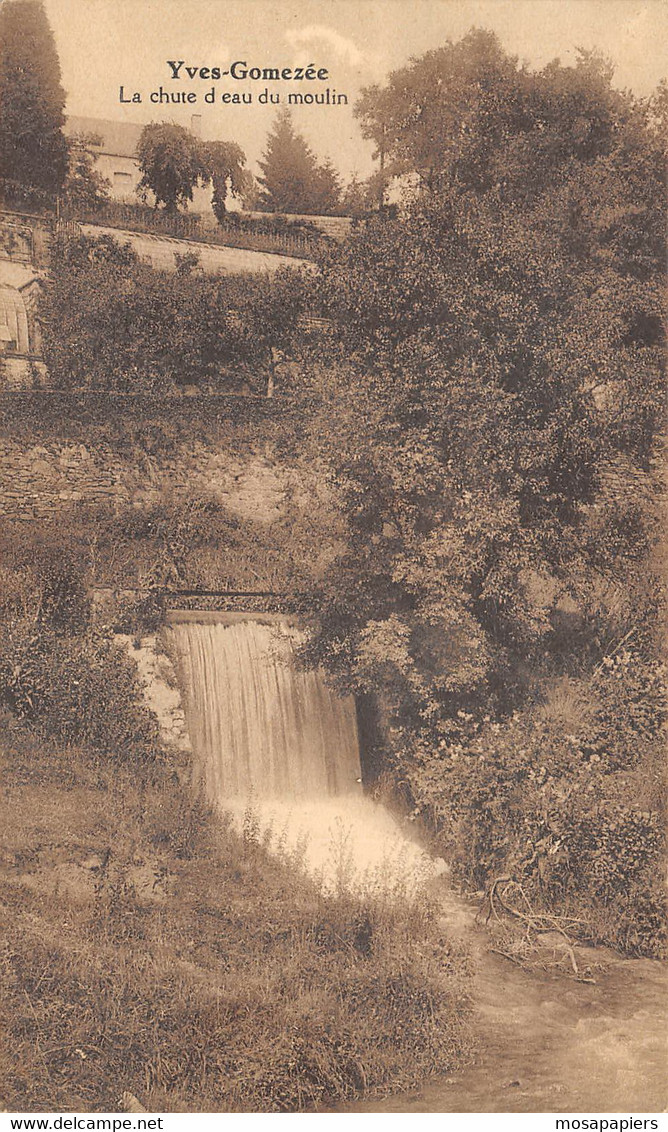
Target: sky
108 44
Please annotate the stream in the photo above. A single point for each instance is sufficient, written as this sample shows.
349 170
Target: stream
549 1043
278 752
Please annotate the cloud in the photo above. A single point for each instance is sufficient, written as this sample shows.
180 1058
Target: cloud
345 50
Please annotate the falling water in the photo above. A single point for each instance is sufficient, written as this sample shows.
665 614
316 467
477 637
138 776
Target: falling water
259 725
270 737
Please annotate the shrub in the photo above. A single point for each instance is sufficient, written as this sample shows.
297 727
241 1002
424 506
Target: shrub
274 224
57 672
565 799
76 689
111 322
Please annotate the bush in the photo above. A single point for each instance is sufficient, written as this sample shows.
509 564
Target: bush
76 689
565 798
274 224
111 322
57 672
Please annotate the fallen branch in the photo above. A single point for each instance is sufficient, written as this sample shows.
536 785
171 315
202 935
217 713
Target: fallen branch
497 897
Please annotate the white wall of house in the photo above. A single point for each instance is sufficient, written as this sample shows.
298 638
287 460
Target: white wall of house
122 173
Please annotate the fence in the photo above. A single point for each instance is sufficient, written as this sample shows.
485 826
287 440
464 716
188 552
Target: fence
253 235
69 228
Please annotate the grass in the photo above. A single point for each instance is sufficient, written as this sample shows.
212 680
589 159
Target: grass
149 949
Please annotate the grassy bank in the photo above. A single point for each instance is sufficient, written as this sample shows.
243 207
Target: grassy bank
150 950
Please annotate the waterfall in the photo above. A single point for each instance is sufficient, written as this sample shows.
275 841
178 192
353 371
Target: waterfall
275 742
258 724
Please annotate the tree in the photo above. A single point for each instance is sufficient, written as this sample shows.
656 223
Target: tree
326 198
374 109
173 161
292 180
469 114
434 112
85 187
489 412
357 197
226 164
288 169
33 150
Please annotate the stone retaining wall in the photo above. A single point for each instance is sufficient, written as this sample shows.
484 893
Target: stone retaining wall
38 480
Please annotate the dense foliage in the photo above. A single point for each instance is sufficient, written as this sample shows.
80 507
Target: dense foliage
85 188
228 173
111 322
492 417
172 162
33 149
58 673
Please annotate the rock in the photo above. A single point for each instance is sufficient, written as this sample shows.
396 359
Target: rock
96 862
129 1103
43 468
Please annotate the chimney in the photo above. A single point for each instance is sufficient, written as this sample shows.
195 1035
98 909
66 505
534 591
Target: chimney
196 125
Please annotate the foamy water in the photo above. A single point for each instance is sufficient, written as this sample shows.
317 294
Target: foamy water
346 844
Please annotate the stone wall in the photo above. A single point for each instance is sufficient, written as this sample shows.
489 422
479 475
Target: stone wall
161 252
57 455
41 480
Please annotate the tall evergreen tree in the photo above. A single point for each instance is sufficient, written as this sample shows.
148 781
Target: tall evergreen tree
33 149
327 190
288 169
292 180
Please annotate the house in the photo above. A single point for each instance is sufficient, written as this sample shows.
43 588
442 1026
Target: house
115 151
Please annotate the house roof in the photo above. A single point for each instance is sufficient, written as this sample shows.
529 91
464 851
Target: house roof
119 139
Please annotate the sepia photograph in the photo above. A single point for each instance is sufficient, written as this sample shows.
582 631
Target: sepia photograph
333 562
